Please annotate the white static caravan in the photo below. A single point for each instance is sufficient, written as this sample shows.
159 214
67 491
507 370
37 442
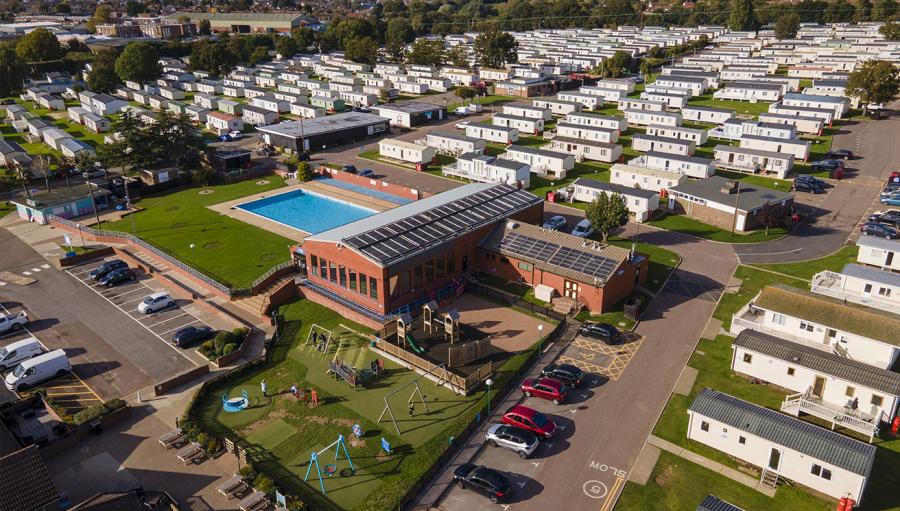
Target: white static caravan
807 125
307 111
220 122
839 105
256 116
787 447
641 104
645 178
587 149
675 101
448 142
580 131
645 143
696 85
698 136
646 118
435 83
53 136
557 106
827 116
171 92
96 123
209 87
411 87
489 169
706 114
491 133
879 252
542 161
526 110
606 95
749 91
291 97
359 98
528 125
588 101
405 151
626 86
76 113
206 101
271 103
255 92
687 93
233 91
753 160
691 166
609 122
640 203
799 148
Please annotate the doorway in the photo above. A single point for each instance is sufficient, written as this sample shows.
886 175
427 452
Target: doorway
818 388
570 290
465 264
774 459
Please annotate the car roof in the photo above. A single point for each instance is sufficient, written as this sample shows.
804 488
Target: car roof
490 475
523 411
552 382
568 367
158 295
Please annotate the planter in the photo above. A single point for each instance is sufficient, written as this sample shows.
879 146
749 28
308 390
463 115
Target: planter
87 256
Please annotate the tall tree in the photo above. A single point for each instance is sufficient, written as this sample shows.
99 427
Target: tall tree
133 8
12 70
304 37
212 57
607 212
363 50
259 54
616 65
457 56
286 47
883 10
787 26
890 31
873 82
399 30
138 62
839 11
102 14
39 45
204 27
496 49
425 52
863 10
103 77
741 16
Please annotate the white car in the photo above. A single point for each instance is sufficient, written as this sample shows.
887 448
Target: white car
155 302
555 222
236 135
583 229
462 125
520 441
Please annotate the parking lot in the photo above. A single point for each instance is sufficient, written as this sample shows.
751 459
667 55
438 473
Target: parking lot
601 359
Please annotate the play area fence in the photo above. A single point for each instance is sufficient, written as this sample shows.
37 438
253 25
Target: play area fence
466 383
511 299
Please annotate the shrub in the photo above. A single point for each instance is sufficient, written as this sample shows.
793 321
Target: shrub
202 438
247 472
208 346
264 484
295 503
222 338
213 446
90 414
114 404
229 348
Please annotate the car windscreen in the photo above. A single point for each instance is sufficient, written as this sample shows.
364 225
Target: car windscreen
539 419
3 353
19 370
148 300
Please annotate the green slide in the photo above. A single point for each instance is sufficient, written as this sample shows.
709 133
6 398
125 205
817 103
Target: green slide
412 342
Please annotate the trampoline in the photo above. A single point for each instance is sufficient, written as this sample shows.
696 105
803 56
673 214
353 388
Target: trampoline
235 404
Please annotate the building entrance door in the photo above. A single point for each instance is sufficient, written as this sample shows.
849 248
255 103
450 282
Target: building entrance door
571 290
774 459
818 388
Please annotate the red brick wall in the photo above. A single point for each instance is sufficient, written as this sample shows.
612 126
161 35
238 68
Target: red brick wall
348 313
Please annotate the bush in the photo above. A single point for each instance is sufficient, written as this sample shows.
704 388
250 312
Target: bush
247 472
229 348
90 414
202 438
114 404
213 446
295 503
222 338
264 484
208 346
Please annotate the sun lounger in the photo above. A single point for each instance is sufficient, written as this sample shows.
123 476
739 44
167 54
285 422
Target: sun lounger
254 501
232 486
172 438
190 453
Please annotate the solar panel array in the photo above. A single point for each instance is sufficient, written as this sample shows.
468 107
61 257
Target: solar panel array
430 228
581 261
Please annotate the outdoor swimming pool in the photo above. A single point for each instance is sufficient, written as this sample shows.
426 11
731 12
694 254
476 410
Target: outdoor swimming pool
310 212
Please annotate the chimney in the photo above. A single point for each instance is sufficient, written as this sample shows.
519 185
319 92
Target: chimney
729 187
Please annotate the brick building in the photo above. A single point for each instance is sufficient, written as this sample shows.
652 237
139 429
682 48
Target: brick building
723 203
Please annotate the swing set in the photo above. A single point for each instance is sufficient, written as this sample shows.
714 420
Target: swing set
319 337
330 468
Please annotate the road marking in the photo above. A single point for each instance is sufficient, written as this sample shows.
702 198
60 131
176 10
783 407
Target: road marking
167 320
179 327
595 489
36 270
45 266
613 495
26 273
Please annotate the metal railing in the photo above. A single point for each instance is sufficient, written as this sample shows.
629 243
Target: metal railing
831 284
272 271
837 415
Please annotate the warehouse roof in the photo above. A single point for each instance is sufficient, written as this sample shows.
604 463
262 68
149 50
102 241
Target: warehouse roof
795 434
710 189
320 125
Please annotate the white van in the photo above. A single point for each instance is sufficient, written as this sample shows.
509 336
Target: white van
12 354
35 370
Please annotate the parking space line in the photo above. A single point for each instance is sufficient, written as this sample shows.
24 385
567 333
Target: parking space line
132 301
82 272
167 320
179 327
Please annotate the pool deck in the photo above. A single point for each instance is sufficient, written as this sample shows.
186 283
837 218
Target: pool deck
229 209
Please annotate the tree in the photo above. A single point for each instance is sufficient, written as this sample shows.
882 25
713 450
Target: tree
101 15
862 11
771 214
741 16
212 57
133 8
103 77
260 54
787 26
399 30
138 62
457 56
12 70
304 37
383 95
883 10
646 67
286 47
203 174
496 49
425 52
39 45
873 82
607 212
363 50
204 27
465 93
616 66
839 11
62 8
890 31
305 171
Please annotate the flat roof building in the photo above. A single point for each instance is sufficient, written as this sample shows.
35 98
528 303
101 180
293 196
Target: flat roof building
323 132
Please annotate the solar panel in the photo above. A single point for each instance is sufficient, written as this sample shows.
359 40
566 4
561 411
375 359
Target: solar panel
583 262
524 246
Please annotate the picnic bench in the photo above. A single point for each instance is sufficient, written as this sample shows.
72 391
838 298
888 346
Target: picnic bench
172 438
190 453
254 502
232 487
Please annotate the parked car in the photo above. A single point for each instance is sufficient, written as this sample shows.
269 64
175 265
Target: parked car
116 277
603 331
878 230
583 229
236 135
350 169
806 178
366 173
827 165
546 388
462 125
886 217
555 222
891 200
522 442
104 269
13 322
839 154
483 480
93 173
155 302
192 334
566 373
226 137
530 419
13 354
35 370
807 187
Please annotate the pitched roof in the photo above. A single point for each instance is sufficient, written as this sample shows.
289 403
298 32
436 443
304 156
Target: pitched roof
820 361
795 434
25 482
831 312
615 188
887 278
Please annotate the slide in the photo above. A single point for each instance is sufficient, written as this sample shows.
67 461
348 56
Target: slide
412 342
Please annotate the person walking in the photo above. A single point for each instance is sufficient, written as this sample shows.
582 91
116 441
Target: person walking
262 385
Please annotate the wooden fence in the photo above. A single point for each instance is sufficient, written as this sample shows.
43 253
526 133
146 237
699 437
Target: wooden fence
465 383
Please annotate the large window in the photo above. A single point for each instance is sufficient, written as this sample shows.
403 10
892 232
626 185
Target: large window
353 280
429 272
323 269
332 272
343 276
439 267
373 288
314 265
363 284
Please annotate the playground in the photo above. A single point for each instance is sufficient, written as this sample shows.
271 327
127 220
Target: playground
325 393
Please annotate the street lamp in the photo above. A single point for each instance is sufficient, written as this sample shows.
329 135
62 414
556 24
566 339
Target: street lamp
193 253
80 233
489 382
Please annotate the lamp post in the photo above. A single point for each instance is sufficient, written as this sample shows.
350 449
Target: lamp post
80 233
193 253
489 382
541 337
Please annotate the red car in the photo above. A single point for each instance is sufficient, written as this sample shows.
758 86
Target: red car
546 388
530 419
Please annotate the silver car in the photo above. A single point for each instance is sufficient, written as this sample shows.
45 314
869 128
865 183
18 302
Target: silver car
523 442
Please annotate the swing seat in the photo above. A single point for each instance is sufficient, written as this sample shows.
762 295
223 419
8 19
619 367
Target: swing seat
329 469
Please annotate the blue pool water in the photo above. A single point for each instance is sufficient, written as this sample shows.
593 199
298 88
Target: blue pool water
307 211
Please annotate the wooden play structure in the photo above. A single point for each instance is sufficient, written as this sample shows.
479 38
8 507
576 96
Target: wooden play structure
354 376
451 326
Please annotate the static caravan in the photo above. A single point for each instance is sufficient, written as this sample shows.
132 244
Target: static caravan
489 169
641 104
753 160
230 107
626 86
646 118
256 116
73 148
206 101
405 151
645 178
53 136
290 97
609 122
171 92
293 89
826 115
668 90
76 113
839 105
706 114
587 149
528 125
411 87
435 83
691 166
542 161
675 101
209 87
695 84
50 101
255 92
270 102
233 91
799 148
328 103
306 111
808 125
219 122
879 252
492 133
605 95
359 98
557 106
645 143
453 143
588 101
752 92
698 136
196 113
495 75
580 131
525 110
96 123
157 102
641 203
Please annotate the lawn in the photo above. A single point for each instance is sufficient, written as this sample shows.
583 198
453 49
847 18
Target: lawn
281 432
740 107
586 169
687 225
712 360
6 208
662 261
172 221
491 99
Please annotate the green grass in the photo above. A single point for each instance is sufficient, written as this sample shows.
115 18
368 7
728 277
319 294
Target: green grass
687 225
586 169
677 484
491 99
6 208
805 271
662 261
172 221
740 107
783 185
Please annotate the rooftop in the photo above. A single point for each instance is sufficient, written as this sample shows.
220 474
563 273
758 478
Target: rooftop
322 125
795 434
753 152
452 136
882 243
887 278
537 151
412 107
60 196
25 482
581 141
615 188
752 196
832 312
238 16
